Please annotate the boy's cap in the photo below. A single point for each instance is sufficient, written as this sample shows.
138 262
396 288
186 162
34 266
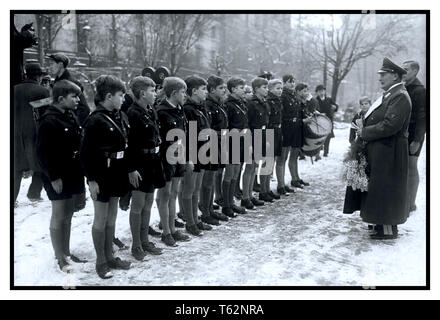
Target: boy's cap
59 57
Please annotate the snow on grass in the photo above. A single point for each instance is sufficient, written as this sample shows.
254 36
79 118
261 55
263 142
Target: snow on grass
302 239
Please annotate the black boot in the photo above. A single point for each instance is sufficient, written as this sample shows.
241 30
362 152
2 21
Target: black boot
153 232
247 203
257 202
274 195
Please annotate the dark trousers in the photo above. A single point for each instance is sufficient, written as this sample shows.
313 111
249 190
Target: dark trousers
327 145
35 187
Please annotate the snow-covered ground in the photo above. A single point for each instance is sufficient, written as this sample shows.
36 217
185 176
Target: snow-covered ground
302 239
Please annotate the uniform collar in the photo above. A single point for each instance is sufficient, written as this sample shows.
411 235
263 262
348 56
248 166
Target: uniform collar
392 87
376 104
213 99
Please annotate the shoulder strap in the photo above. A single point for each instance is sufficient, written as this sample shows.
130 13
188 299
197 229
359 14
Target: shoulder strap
113 123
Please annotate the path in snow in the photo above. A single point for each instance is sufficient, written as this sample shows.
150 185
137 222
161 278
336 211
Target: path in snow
302 239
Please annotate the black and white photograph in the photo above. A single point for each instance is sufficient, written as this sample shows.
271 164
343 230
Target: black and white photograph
212 148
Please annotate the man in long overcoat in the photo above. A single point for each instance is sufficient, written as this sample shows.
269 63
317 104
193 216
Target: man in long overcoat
386 132
25 131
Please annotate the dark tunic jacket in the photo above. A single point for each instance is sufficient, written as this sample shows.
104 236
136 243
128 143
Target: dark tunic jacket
25 131
325 106
170 118
102 140
217 115
386 133
292 114
144 134
275 107
236 110
258 113
58 145
417 124
195 112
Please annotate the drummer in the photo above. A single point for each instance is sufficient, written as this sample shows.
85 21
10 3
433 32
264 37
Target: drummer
288 121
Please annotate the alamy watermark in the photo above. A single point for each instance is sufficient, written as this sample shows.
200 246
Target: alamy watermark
245 144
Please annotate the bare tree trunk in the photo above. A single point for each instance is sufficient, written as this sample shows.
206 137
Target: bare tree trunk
40 20
335 87
113 44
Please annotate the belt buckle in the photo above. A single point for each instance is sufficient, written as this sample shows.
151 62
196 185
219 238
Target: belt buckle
120 155
156 149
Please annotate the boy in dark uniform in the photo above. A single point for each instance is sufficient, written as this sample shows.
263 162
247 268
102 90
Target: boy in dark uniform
275 106
195 113
144 162
213 173
58 68
292 130
237 119
104 158
258 117
327 106
287 122
58 143
171 116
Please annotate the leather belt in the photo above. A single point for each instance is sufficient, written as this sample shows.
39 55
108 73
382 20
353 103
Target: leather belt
115 155
150 151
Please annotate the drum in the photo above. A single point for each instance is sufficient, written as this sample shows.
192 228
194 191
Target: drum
149 72
315 133
161 74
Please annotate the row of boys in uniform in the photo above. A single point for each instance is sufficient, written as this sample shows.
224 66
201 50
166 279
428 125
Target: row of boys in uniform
122 151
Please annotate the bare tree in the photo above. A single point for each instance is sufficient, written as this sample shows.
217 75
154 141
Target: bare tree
342 47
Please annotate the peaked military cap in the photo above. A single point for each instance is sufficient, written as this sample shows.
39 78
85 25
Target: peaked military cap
389 66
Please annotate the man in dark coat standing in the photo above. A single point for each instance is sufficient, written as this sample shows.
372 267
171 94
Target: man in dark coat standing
386 132
417 127
327 106
25 130
58 69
